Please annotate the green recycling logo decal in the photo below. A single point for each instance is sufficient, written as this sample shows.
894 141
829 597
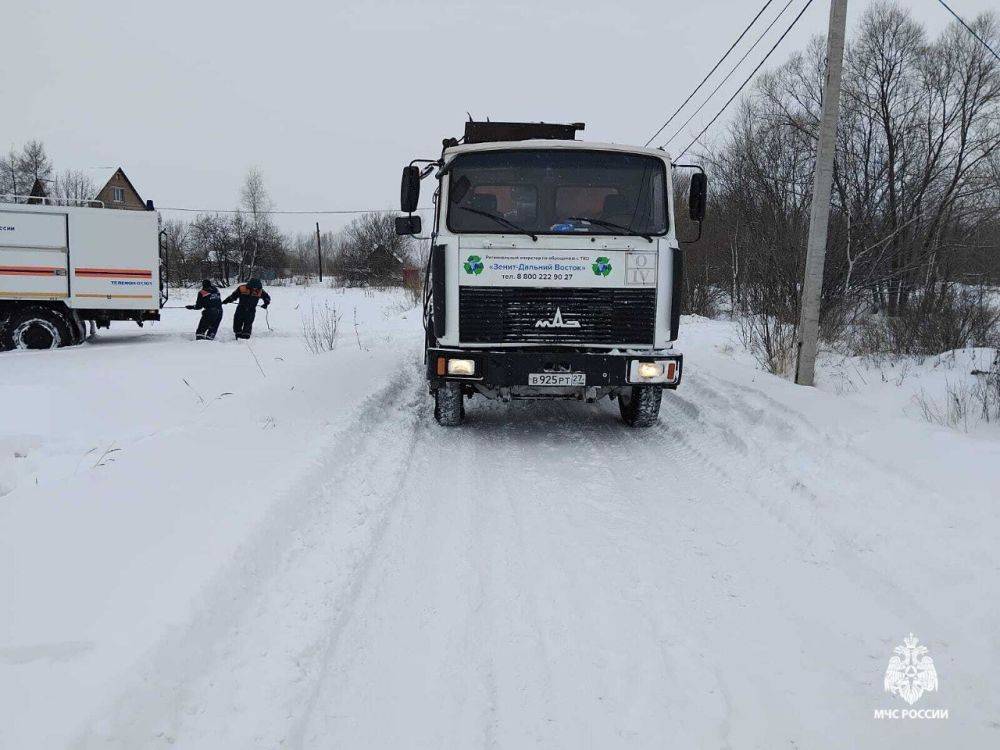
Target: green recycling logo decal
474 265
601 266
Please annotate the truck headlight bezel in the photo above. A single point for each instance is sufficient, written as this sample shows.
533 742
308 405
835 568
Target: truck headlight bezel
650 371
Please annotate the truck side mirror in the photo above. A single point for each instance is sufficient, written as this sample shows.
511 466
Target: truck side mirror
409 190
408 225
698 196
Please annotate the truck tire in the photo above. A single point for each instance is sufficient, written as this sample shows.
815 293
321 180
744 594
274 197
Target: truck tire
77 329
34 328
641 406
449 405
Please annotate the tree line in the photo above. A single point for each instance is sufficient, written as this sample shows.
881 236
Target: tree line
246 242
914 241
23 167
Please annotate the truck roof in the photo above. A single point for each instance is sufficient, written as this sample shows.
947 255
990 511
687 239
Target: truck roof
545 143
56 207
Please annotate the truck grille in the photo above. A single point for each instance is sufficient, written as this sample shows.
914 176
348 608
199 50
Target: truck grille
509 315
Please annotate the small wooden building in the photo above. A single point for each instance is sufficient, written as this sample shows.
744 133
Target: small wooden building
119 192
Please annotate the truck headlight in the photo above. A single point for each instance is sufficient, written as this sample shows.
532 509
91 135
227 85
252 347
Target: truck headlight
649 370
658 371
463 367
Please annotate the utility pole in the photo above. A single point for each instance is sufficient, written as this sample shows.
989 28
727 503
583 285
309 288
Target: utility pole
319 254
819 215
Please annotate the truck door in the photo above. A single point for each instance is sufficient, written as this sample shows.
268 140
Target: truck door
34 261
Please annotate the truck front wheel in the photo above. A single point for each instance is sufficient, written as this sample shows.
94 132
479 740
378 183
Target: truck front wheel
34 328
449 408
640 406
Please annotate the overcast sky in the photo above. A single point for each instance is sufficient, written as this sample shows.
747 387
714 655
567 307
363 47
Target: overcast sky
330 99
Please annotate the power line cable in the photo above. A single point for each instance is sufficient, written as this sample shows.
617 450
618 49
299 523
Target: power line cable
748 79
709 74
969 29
729 74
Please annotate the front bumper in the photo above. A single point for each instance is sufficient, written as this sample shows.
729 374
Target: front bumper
509 368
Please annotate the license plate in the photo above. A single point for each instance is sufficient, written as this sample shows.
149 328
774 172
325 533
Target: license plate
557 378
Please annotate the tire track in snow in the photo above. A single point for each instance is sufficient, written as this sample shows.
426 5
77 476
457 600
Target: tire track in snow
360 578
691 436
411 649
713 596
455 547
587 571
825 474
515 537
781 491
603 508
201 680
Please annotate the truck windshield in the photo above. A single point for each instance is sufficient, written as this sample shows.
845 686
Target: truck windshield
557 191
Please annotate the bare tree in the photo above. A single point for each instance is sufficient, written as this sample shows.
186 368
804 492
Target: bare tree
33 164
916 194
210 248
20 170
228 247
74 186
256 201
180 264
254 197
371 252
9 175
302 258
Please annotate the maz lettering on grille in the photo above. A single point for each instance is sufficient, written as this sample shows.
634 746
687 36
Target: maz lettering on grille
557 322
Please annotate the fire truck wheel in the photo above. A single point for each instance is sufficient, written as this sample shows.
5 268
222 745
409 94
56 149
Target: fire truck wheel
641 407
449 407
77 330
34 328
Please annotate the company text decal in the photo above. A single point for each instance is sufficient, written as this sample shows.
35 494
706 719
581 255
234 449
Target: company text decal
600 268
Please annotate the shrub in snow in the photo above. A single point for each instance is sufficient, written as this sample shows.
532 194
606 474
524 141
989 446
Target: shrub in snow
319 328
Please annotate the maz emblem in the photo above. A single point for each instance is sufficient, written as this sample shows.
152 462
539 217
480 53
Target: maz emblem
557 322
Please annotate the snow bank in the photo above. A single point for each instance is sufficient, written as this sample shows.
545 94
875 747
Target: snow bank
949 389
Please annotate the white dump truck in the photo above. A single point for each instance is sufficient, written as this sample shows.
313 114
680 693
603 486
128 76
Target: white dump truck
554 271
64 266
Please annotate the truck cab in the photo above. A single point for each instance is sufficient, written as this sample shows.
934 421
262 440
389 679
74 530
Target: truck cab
554 269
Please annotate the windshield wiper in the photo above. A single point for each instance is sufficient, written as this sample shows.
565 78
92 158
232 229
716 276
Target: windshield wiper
611 225
501 220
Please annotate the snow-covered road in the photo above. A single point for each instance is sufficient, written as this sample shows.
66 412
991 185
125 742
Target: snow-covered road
737 576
